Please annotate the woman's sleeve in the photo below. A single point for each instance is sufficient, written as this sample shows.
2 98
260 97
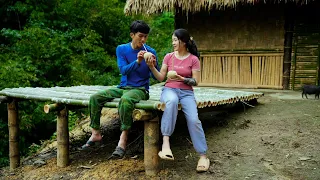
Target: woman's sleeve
196 64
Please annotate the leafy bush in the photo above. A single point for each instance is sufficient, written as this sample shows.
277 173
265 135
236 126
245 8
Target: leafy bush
63 43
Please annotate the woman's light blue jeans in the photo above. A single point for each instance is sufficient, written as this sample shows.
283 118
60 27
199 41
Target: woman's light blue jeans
171 97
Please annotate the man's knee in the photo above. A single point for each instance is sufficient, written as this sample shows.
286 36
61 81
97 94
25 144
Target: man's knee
126 99
94 96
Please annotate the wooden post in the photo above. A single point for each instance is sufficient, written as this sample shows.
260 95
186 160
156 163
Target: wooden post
62 138
289 25
151 146
294 65
13 125
318 66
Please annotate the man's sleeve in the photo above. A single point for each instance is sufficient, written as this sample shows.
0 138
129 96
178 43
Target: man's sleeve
124 66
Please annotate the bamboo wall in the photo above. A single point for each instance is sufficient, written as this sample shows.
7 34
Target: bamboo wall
243 28
306 47
242 70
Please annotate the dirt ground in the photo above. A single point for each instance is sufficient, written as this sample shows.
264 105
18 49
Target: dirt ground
277 139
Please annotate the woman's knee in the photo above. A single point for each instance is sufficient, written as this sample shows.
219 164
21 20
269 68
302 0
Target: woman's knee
171 100
194 121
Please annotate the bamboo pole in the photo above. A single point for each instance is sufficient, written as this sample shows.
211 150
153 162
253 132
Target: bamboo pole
276 70
293 67
267 72
62 138
234 70
255 67
318 67
201 67
213 70
53 107
13 125
149 106
151 146
288 37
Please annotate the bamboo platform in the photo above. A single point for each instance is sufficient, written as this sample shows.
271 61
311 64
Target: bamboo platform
61 99
79 96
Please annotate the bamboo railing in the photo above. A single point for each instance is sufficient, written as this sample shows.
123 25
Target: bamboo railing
242 70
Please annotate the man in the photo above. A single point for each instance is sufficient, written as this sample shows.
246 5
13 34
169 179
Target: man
134 86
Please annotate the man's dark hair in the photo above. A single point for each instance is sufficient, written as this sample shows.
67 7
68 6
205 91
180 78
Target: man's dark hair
139 26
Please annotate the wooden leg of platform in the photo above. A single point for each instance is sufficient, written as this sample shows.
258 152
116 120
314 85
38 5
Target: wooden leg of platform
151 146
13 125
62 138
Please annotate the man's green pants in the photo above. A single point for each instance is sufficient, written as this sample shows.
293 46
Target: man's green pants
129 96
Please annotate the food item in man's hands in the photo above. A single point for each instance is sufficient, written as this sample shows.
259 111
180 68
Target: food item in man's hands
147 55
172 74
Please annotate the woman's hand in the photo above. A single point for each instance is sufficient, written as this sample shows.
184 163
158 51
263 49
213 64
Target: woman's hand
177 78
151 61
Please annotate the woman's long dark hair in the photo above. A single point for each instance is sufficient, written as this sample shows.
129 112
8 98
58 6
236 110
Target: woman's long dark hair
184 36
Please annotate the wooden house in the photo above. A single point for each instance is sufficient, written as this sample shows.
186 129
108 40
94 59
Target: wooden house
248 44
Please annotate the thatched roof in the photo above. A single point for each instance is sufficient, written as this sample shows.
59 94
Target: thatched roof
155 6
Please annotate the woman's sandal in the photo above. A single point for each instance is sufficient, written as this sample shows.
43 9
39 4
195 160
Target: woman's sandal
166 154
118 153
203 165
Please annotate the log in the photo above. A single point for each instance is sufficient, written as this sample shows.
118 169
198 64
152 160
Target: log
62 138
142 115
151 146
13 125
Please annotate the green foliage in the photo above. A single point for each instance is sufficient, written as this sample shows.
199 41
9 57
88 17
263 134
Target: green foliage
160 37
52 58
33 148
4 136
161 34
63 43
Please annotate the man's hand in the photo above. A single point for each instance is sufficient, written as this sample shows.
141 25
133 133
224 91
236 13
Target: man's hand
140 56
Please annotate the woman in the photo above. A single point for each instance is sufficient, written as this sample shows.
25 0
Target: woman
178 88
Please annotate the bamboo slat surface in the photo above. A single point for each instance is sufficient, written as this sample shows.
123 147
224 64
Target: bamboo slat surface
80 95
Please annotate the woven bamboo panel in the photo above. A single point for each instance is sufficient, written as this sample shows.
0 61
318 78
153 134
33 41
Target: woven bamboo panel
242 70
243 29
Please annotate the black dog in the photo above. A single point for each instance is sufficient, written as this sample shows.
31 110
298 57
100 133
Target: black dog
310 89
